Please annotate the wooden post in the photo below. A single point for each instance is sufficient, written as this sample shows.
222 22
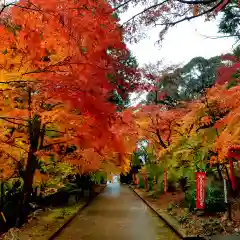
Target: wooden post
133 178
226 199
146 182
3 217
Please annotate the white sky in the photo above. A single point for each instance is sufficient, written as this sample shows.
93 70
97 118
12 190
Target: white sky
182 42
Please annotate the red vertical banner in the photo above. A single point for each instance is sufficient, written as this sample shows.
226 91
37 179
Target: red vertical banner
200 189
232 177
165 180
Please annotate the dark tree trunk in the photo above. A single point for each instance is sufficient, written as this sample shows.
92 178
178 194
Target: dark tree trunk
34 134
2 195
219 172
229 183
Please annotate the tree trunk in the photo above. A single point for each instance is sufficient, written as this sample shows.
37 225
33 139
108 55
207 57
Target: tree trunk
2 195
219 172
229 182
232 177
34 134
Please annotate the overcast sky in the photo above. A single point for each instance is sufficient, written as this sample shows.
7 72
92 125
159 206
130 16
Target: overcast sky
182 43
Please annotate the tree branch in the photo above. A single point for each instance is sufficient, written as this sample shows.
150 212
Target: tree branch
14 145
20 81
205 127
145 10
197 1
217 37
8 120
13 158
4 6
122 5
160 139
13 118
199 15
51 144
51 130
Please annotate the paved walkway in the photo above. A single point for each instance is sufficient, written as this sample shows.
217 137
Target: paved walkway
117 214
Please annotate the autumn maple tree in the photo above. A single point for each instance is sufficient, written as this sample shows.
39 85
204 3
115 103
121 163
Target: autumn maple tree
60 63
157 123
65 80
195 134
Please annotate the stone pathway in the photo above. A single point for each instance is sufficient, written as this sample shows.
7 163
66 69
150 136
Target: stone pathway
117 214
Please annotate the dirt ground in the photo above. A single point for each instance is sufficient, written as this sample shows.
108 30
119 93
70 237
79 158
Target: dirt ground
194 223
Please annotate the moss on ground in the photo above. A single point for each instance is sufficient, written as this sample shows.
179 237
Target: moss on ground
42 226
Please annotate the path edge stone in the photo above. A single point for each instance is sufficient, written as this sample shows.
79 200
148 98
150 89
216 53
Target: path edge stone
70 219
168 220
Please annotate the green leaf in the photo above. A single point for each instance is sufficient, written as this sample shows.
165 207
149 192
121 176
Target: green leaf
231 84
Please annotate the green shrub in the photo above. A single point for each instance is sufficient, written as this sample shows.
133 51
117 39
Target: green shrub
214 197
160 185
190 198
213 194
172 180
170 207
98 177
141 182
183 218
150 185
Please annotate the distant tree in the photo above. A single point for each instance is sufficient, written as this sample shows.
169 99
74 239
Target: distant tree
230 21
185 83
121 95
197 75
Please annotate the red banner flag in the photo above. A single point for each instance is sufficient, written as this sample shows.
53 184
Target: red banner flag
200 189
165 180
